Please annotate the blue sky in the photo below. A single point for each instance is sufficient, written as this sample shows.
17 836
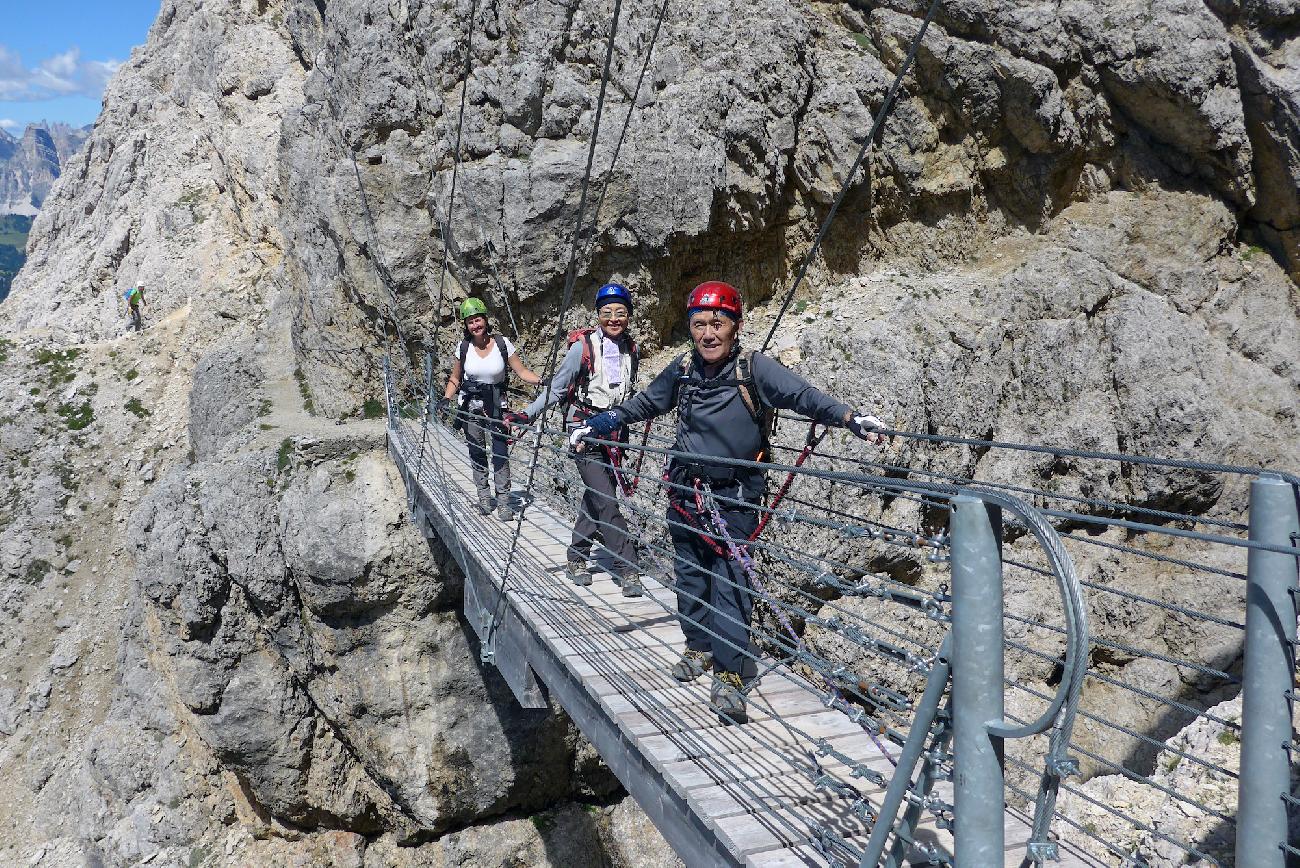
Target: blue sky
57 55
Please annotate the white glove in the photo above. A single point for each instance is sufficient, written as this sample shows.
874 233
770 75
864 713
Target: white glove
575 438
867 427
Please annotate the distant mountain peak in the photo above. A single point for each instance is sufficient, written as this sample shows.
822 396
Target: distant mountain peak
30 164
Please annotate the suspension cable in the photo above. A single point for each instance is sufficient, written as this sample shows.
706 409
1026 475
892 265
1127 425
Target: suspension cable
877 123
565 300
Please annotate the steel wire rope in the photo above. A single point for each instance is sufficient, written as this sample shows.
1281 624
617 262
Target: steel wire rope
627 120
443 227
1138 736
1146 780
586 610
565 301
1133 821
1122 457
776 551
1031 492
876 125
873 698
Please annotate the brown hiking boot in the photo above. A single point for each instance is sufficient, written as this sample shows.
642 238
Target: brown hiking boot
692 665
727 698
577 572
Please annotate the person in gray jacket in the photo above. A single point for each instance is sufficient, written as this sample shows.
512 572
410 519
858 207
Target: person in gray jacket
598 371
722 395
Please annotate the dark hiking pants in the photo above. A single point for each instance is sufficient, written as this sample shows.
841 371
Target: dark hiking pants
599 515
478 431
714 601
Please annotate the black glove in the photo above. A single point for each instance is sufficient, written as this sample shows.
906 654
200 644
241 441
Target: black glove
867 427
442 409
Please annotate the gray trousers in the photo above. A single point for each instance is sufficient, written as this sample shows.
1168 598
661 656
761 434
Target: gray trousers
477 432
599 515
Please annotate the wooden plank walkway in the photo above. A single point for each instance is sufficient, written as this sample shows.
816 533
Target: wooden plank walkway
720 794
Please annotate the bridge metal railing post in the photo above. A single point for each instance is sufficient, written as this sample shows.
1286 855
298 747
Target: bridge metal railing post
1268 676
977 682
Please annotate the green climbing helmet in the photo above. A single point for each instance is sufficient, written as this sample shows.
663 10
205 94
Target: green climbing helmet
472 307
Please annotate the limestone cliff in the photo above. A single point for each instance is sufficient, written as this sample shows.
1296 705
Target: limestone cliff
234 647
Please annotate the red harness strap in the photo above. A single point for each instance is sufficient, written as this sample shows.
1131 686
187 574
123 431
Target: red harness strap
810 444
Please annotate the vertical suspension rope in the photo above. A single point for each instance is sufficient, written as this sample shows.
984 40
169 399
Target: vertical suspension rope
570 279
876 125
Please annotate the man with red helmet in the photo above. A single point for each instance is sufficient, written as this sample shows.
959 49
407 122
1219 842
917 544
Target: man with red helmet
723 396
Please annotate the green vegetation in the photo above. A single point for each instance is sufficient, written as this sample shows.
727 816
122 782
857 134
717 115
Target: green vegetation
76 416
132 374
13 249
5 346
1228 738
134 406
372 409
306 393
36 570
58 365
284 455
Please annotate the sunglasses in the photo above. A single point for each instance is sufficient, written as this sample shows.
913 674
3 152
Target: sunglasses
607 314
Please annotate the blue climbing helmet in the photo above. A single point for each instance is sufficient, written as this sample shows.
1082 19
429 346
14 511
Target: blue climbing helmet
613 292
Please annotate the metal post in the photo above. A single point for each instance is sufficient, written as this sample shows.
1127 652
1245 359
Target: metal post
977 673
1267 677
926 710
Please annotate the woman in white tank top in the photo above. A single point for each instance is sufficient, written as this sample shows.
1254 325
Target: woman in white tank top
478 383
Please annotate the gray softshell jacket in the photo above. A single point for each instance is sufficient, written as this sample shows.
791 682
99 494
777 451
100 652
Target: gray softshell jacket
713 419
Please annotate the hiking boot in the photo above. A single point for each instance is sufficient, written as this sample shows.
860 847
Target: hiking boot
504 512
727 698
484 502
632 585
577 572
692 665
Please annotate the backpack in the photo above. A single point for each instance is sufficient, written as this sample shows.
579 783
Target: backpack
764 416
587 366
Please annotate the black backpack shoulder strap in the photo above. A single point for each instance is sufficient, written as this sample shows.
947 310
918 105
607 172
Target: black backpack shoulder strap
748 386
464 354
501 348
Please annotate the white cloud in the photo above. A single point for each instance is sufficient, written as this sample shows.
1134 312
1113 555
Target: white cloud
9 124
63 74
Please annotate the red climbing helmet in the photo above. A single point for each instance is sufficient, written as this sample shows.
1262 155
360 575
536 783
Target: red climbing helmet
715 295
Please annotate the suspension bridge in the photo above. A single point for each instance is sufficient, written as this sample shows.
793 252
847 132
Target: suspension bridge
896 725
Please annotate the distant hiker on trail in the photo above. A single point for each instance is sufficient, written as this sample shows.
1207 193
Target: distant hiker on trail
478 383
725 398
598 372
134 303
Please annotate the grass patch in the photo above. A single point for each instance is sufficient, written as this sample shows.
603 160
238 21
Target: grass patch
372 409
58 365
137 409
350 475
5 346
304 391
35 570
264 407
1228 738
266 427
543 822
285 454
132 374
1172 763
76 416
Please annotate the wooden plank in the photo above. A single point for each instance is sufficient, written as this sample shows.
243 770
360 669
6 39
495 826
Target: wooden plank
787 827
673 747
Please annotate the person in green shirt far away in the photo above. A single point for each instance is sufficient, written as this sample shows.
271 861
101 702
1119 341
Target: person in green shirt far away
134 304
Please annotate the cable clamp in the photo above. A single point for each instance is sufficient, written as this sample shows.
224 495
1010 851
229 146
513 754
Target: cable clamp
1043 851
1064 767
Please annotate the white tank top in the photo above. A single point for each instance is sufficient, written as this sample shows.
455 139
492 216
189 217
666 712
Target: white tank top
489 369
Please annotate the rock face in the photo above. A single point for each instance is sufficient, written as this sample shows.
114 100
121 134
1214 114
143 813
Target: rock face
30 165
1078 229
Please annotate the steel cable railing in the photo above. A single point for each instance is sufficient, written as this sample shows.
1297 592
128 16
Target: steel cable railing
820 561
